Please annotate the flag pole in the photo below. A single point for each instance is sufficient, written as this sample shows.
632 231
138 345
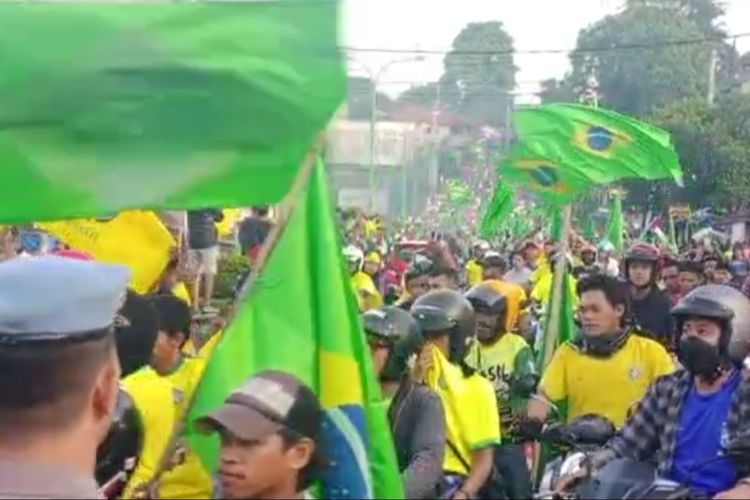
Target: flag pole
550 341
287 205
551 329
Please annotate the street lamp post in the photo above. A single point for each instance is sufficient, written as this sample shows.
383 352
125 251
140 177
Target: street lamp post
375 78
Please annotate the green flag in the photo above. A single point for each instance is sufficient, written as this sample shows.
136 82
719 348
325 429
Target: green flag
616 224
556 225
589 229
301 317
109 106
564 329
499 208
564 149
458 192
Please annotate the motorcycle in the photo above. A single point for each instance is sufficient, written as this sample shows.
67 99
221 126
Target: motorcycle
629 479
576 441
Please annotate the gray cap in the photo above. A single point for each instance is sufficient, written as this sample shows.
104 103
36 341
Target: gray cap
54 298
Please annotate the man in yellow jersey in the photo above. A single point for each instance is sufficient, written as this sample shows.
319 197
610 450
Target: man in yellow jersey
188 478
472 419
473 267
135 335
368 296
506 360
606 369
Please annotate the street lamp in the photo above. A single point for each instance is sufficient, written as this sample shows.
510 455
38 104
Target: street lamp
375 78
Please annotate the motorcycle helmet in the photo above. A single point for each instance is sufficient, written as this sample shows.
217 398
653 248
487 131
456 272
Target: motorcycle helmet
354 257
117 455
729 307
446 311
400 331
488 301
643 252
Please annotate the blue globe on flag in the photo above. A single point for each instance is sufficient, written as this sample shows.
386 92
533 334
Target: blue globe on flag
545 176
599 138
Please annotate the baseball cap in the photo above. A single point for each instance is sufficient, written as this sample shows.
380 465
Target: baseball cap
267 403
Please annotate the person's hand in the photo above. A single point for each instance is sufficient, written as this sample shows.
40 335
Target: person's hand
461 495
423 365
739 492
566 482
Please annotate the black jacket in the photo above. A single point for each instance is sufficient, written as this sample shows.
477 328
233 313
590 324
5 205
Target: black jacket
651 315
418 427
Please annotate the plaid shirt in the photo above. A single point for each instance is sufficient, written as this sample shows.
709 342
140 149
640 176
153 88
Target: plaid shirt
652 431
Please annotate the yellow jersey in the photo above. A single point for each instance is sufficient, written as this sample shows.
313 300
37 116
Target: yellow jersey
474 273
152 396
605 386
188 479
472 421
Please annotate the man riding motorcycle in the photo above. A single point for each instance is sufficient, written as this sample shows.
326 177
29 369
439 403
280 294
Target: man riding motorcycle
472 422
588 264
415 412
506 360
368 296
607 367
686 419
649 305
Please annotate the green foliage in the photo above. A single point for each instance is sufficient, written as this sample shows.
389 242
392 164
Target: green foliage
637 81
714 148
231 267
477 84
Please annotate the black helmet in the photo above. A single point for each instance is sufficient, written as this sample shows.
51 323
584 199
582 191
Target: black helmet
400 331
446 311
727 306
487 299
118 454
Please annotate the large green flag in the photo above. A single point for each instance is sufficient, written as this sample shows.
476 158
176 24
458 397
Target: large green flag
616 224
301 317
564 149
109 106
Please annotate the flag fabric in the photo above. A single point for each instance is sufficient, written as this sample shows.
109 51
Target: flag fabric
564 329
171 105
589 229
136 239
321 342
499 208
616 224
556 225
563 149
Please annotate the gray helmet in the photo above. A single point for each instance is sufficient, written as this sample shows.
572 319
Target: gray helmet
449 312
726 305
400 332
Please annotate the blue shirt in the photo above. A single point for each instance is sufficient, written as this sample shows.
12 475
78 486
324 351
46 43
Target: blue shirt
701 436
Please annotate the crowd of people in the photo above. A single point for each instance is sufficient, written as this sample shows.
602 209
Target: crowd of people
94 377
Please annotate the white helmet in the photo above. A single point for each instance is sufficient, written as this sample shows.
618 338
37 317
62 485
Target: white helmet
352 254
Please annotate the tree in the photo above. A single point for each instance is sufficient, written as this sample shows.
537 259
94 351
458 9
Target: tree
553 90
649 74
714 148
422 95
479 73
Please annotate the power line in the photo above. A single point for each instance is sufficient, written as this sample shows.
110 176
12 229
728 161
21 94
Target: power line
584 50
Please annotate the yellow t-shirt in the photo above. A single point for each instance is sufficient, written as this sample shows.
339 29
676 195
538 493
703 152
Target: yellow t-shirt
188 479
497 360
542 290
605 386
152 396
474 273
472 419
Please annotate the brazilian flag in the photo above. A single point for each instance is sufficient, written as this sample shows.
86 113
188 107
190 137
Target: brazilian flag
565 149
611 145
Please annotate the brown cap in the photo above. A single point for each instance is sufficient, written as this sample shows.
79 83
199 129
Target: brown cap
267 403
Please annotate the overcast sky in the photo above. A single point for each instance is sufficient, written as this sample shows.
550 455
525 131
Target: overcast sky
432 24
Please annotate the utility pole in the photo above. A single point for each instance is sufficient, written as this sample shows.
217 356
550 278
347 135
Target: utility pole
712 77
435 162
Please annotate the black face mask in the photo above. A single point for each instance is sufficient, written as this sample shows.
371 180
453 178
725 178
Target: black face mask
700 358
